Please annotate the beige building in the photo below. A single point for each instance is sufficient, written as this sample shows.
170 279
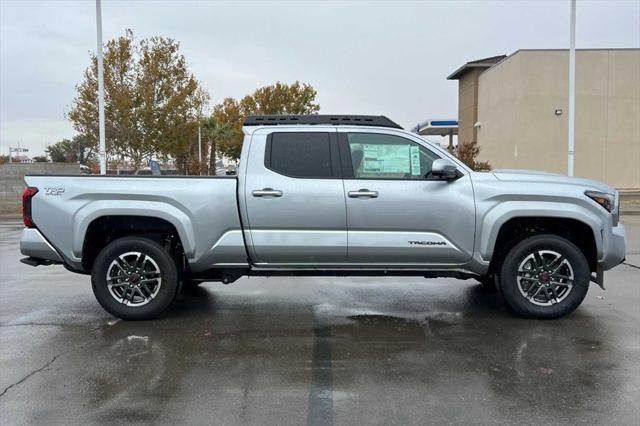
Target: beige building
515 107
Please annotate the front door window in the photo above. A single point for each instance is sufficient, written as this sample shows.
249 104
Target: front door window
380 156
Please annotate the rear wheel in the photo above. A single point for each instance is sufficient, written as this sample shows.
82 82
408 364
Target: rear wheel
544 276
134 278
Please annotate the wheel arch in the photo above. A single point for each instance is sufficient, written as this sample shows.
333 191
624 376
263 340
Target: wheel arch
139 209
576 224
106 228
516 228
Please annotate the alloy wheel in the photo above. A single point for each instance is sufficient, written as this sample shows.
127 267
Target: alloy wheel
545 277
133 279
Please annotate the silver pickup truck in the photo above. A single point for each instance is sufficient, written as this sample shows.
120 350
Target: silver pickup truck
328 195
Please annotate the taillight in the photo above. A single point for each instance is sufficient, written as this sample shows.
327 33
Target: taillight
27 194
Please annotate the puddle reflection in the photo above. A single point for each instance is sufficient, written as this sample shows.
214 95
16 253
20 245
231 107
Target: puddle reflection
470 342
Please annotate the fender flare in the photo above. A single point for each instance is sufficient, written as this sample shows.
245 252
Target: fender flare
494 219
94 210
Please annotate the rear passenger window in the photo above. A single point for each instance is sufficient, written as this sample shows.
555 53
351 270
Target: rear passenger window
303 154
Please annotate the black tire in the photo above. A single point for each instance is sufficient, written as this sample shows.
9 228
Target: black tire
562 304
168 273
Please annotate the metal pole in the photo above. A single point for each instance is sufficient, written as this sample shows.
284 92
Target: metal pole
199 148
101 148
572 88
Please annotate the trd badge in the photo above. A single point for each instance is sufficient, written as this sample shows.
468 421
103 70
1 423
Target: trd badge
53 191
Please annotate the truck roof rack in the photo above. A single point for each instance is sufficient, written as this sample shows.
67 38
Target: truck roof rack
349 120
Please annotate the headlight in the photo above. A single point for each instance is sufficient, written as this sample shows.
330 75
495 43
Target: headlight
608 201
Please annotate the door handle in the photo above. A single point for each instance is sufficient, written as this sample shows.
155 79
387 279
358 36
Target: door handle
267 192
363 193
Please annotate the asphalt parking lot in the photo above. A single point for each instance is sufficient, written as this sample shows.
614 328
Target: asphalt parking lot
315 351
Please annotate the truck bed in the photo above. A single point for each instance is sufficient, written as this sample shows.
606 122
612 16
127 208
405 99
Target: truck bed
65 206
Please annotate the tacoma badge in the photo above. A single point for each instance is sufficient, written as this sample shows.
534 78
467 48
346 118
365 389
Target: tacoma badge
427 243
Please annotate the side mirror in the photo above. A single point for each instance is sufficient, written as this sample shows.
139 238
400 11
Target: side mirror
444 169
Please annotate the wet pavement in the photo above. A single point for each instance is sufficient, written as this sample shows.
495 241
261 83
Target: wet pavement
315 351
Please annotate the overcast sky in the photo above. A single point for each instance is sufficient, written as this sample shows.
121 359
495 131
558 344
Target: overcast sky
388 58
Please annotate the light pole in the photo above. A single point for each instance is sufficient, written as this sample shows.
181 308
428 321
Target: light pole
572 88
199 146
101 148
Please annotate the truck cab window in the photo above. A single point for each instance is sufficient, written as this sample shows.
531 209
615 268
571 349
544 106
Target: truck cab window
381 156
299 154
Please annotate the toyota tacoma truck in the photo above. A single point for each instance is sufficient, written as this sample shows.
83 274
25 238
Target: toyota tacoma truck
328 195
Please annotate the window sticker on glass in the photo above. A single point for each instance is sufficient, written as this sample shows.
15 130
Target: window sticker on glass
415 160
385 158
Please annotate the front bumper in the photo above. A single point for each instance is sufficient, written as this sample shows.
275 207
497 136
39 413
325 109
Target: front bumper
614 247
34 245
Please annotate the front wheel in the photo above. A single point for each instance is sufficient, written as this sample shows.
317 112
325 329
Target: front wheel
134 278
544 276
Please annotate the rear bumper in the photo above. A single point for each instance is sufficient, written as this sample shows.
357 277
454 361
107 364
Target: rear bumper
614 247
34 245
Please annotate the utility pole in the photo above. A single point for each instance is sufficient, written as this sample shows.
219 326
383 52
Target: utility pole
199 147
572 89
101 149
